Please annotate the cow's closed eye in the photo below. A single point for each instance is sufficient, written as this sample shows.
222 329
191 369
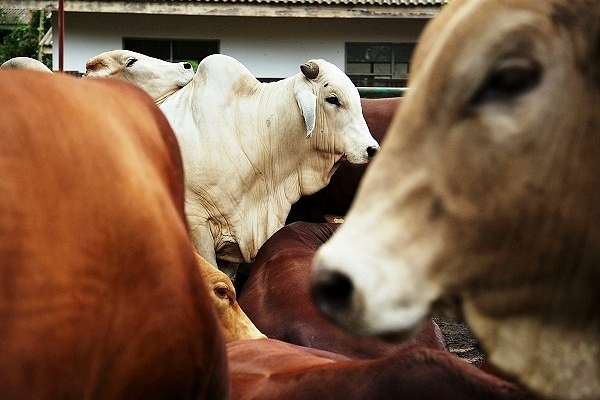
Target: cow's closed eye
510 79
333 100
130 62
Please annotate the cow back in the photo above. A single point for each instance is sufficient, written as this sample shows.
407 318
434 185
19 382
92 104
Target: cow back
269 369
276 298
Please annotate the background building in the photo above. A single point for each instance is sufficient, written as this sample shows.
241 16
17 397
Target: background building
371 40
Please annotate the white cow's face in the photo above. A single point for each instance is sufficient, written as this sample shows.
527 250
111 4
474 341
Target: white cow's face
159 78
338 109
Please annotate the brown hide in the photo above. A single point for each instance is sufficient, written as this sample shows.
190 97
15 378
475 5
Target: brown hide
336 197
100 294
236 325
269 369
276 298
486 194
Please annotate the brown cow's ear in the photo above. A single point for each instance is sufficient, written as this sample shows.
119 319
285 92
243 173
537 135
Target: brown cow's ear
310 69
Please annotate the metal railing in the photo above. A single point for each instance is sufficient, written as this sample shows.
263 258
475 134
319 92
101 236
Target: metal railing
378 92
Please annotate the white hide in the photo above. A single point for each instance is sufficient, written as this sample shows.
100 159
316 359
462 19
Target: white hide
251 149
25 63
157 77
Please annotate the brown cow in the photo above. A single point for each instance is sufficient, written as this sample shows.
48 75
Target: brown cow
269 369
276 298
101 297
235 323
487 193
335 198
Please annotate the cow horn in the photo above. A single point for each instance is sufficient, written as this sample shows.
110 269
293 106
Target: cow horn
310 69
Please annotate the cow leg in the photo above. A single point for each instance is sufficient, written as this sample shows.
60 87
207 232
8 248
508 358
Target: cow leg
203 242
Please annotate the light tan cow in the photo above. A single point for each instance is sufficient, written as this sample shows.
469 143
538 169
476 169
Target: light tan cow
25 63
157 77
487 193
235 323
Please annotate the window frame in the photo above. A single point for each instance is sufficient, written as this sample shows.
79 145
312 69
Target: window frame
375 78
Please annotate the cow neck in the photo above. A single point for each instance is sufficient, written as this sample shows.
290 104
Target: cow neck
160 100
310 160
534 350
324 161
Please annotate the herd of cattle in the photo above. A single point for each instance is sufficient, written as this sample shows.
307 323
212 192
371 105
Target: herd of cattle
250 150
119 200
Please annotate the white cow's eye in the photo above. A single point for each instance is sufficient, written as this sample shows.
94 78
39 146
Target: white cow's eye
130 62
333 100
510 79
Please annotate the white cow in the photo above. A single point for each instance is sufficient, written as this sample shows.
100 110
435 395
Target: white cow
25 63
251 149
159 78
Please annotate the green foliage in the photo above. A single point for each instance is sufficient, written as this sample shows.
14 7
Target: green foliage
23 41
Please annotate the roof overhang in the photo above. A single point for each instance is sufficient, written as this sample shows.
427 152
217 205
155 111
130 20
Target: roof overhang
231 9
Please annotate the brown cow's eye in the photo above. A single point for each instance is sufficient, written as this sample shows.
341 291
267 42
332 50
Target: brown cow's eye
130 62
512 78
221 292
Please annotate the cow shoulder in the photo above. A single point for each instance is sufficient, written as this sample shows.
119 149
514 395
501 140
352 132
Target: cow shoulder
224 75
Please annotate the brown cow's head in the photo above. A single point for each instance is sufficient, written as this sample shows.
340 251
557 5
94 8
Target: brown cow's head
235 323
487 192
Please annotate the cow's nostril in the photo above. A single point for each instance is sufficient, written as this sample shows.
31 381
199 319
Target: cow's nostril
332 291
187 65
371 151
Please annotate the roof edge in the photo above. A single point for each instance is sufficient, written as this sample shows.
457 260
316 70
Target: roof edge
297 10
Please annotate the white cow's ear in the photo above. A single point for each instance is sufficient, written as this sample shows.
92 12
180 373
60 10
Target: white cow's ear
307 101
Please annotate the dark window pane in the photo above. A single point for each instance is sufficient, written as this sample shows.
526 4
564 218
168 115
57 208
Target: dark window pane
368 52
194 50
403 52
379 53
355 52
150 47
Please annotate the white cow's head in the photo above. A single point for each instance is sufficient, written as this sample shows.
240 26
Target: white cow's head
157 77
330 103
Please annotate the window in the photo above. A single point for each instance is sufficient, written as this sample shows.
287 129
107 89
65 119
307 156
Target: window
379 64
192 51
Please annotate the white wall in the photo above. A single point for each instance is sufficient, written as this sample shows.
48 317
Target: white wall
268 47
